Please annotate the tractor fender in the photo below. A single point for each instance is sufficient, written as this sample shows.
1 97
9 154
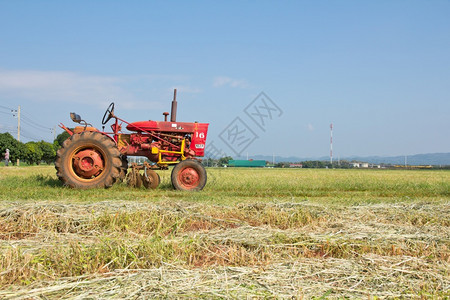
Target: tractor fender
80 129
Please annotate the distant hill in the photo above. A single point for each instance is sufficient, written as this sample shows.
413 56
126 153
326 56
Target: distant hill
417 159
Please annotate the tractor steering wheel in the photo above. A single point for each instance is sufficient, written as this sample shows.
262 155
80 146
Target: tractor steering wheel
109 113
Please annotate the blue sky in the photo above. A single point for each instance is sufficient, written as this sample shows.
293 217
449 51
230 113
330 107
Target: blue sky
378 70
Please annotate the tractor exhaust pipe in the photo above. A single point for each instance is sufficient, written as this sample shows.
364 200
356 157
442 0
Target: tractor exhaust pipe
173 113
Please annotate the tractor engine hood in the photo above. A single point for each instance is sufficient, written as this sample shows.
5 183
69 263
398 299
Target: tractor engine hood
162 126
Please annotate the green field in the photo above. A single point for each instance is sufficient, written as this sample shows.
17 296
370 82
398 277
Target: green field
264 233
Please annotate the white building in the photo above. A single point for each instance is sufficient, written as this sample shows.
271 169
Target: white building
359 164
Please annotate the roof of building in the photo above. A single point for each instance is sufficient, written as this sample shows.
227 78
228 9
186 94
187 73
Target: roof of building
247 163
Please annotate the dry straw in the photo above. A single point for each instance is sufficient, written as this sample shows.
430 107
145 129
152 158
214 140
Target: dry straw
184 250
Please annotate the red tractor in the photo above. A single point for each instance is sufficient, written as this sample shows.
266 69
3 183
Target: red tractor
92 158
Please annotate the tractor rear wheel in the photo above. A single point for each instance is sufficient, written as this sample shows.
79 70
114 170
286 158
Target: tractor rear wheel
88 160
189 175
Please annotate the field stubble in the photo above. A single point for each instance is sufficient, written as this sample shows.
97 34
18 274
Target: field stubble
258 233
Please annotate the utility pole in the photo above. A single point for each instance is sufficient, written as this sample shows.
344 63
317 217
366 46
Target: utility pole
331 144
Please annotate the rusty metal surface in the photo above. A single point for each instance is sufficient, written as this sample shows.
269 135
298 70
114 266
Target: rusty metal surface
134 178
150 179
87 163
163 142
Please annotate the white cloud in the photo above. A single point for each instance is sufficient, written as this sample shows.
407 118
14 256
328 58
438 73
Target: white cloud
310 127
227 81
187 89
70 87
54 86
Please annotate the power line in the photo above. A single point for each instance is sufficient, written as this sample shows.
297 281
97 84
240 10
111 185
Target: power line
2 112
34 139
9 130
28 120
28 135
4 107
28 117
39 138
7 126
34 123
24 116
35 126
13 130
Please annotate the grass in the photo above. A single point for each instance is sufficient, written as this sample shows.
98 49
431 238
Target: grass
260 233
227 186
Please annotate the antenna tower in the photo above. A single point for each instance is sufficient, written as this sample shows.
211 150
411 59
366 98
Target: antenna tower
331 143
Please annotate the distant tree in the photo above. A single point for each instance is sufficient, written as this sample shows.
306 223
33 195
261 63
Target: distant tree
210 162
16 149
7 142
343 164
282 164
60 138
48 152
56 145
33 154
316 164
224 160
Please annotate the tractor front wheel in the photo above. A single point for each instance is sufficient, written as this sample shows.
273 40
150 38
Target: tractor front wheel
189 175
88 160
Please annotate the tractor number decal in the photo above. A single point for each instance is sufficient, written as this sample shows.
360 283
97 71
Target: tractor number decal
200 135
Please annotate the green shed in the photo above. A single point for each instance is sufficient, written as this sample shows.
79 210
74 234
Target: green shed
247 163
